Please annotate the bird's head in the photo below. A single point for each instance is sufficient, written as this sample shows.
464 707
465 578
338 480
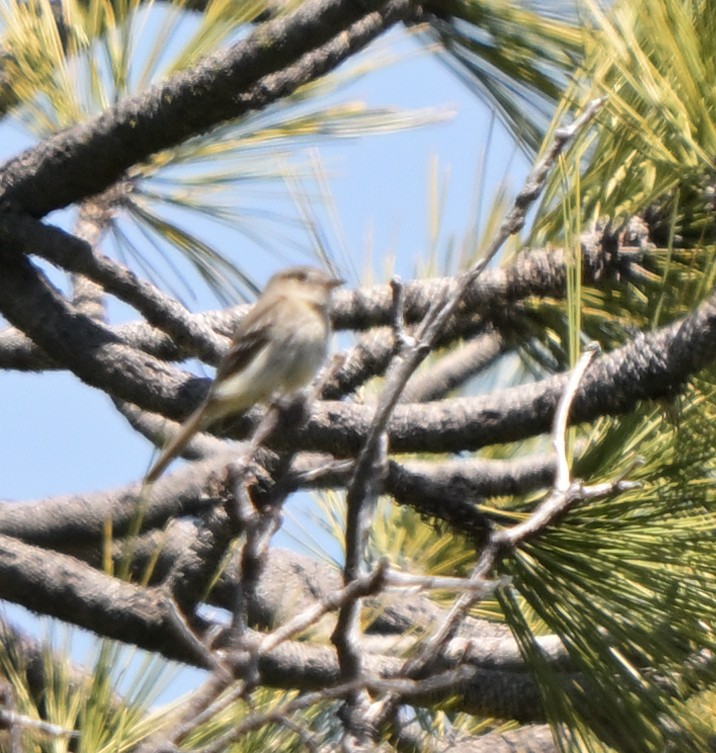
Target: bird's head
309 283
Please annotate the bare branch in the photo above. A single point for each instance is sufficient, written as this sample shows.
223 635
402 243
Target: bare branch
564 493
559 430
436 582
63 587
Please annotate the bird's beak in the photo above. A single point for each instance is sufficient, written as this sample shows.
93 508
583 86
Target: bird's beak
334 282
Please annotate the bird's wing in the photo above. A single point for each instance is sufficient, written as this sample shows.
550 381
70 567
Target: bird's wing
251 336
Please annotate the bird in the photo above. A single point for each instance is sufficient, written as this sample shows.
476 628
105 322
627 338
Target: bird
277 349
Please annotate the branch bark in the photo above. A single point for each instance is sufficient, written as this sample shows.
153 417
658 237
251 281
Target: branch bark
276 59
62 587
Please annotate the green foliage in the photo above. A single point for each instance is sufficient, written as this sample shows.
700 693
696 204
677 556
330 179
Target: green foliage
653 59
90 704
627 583
516 55
266 724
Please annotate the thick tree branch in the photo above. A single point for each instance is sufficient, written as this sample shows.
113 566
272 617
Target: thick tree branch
277 58
533 273
64 588
537 272
71 522
652 366
446 491
89 349
18 352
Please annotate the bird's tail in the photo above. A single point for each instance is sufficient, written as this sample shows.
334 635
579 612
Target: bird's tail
177 443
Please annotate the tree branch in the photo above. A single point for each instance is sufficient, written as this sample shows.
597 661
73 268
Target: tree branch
64 588
276 59
654 365
190 334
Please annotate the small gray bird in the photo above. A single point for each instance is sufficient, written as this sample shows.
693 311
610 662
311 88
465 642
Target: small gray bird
277 349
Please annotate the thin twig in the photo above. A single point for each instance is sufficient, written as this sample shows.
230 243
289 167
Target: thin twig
564 493
366 585
401 338
553 507
183 630
477 587
559 428
193 712
247 520
361 498
398 685
406 362
11 720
